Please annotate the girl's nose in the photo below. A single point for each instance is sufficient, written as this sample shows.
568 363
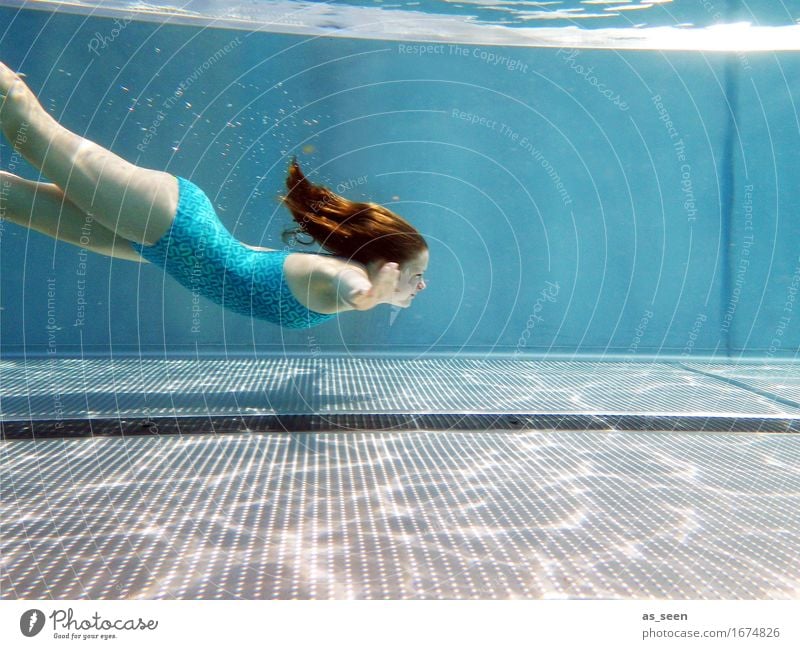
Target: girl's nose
422 285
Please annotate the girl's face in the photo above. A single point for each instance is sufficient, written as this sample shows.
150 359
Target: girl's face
411 281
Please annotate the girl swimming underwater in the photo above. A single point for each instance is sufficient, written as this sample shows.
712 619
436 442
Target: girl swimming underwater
145 215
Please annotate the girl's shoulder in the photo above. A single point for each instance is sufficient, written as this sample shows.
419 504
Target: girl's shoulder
313 278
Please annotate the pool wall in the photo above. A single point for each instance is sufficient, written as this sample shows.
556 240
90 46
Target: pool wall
578 203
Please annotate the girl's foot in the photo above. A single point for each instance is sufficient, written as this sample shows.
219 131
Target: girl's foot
17 103
7 77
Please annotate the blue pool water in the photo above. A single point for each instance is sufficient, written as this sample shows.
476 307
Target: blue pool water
577 200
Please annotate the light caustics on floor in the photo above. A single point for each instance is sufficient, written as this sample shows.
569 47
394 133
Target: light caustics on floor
412 515
63 388
405 513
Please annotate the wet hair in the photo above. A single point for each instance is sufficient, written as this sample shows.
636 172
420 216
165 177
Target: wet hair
363 232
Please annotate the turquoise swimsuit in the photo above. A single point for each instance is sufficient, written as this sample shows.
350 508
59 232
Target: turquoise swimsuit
204 257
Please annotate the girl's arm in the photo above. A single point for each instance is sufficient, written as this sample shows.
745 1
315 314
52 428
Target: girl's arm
355 290
329 285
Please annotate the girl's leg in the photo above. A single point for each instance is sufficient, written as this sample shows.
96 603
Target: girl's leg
44 208
135 203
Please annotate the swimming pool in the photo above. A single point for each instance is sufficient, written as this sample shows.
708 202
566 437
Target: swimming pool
597 397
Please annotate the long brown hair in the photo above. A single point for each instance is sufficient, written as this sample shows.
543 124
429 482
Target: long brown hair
364 232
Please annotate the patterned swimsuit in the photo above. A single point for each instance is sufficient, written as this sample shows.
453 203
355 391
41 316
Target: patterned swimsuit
204 257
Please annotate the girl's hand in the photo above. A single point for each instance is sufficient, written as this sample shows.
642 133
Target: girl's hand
385 283
361 294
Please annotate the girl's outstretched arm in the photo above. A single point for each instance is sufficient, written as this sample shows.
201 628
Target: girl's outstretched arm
356 290
331 285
